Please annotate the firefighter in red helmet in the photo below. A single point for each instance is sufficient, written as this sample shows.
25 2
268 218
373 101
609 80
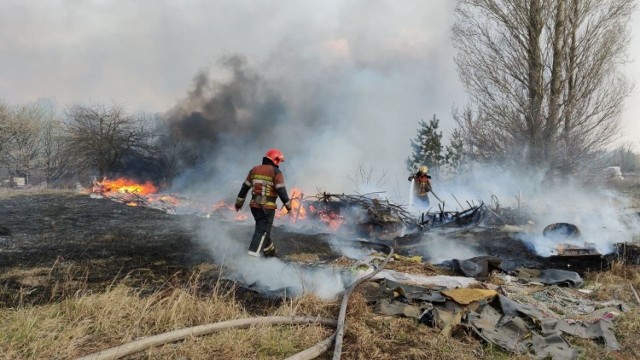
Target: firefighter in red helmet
267 182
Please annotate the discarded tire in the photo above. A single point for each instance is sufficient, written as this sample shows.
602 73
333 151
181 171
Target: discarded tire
561 230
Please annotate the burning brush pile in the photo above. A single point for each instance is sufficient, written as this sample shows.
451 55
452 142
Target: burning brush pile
364 214
367 215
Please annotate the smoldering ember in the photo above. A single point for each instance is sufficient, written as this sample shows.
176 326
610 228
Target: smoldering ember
493 270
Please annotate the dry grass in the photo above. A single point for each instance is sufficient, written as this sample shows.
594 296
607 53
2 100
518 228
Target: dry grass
85 323
405 265
6 193
303 257
615 284
42 284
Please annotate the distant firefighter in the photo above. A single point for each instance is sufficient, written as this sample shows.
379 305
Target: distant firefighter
267 182
421 186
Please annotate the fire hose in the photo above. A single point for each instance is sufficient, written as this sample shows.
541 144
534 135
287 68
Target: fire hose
176 335
339 334
310 353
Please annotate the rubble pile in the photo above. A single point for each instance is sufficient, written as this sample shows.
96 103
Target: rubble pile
522 316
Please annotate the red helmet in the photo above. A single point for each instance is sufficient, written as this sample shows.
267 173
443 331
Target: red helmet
275 155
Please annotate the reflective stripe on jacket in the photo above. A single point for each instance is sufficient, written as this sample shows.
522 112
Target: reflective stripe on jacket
263 179
267 182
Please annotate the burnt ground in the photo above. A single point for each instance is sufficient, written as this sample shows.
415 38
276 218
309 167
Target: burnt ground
97 241
64 230
75 228
45 229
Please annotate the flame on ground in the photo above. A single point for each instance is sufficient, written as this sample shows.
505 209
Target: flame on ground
332 220
298 212
221 206
125 186
304 210
134 194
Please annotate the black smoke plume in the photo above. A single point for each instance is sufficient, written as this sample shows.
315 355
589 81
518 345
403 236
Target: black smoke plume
218 122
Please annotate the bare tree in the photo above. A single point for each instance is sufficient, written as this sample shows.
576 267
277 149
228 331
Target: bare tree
55 156
542 76
22 135
100 136
624 157
175 150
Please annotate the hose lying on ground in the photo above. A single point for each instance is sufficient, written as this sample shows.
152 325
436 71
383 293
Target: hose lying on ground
172 336
339 334
311 353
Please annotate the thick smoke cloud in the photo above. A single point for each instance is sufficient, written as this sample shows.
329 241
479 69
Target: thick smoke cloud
218 122
243 107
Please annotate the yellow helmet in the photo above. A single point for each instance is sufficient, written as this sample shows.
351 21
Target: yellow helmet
423 169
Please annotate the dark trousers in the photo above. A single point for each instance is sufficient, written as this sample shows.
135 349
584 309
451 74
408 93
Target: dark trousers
261 241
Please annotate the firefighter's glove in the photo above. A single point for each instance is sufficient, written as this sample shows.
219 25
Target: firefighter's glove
239 203
288 207
411 177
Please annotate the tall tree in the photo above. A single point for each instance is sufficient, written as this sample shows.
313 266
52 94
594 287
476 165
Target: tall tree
542 76
426 148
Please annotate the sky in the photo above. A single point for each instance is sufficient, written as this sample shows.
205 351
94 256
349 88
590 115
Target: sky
355 76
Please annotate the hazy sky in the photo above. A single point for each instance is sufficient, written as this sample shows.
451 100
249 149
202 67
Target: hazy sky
375 67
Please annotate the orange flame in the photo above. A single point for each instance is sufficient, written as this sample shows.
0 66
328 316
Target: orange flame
124 185
297 210
146 195
331 219
222 206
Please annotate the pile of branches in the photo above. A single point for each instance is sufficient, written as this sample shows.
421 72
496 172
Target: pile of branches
379 211
472 215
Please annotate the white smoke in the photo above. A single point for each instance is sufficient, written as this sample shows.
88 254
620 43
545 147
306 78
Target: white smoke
273 274
437 248
350 249
599 212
